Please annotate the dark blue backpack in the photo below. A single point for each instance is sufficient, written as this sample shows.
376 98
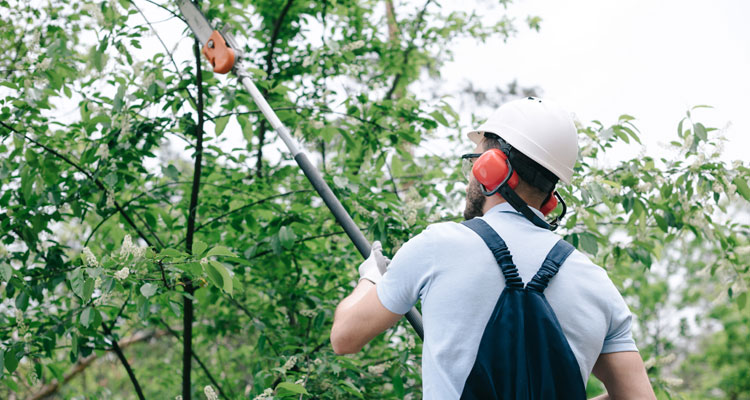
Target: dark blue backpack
523 353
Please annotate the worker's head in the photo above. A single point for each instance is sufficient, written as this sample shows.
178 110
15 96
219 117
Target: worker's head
540 141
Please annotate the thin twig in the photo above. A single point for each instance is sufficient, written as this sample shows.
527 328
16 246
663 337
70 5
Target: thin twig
409 49
230 212
116 348
166 49
198 360
75 165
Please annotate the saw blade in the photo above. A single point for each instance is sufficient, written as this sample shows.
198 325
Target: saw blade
196 20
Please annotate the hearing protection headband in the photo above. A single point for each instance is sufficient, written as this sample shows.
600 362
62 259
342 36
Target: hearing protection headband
505 190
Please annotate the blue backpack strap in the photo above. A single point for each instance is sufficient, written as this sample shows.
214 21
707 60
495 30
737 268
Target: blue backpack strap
499 250
551 265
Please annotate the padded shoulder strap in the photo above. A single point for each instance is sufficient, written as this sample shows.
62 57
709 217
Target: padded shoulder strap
499 250
551 265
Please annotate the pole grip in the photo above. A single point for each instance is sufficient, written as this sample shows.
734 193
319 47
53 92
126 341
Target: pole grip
346 222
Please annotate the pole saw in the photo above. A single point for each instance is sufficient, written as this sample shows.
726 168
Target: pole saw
222 52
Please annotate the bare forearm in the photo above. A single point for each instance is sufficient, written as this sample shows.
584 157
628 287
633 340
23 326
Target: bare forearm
356 295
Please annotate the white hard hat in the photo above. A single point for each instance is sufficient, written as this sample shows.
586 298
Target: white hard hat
540 129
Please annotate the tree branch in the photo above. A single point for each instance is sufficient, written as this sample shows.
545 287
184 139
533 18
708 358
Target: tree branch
82 364
269 68
409 49
75 165
187 315
166 49
116 348
198 360
230 212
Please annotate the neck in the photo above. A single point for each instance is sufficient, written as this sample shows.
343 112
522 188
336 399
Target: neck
494 200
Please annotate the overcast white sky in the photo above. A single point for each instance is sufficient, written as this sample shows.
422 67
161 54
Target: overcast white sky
602 58
650 59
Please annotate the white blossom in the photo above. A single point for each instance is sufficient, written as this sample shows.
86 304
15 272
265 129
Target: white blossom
150 78
410 343
127 246
122 274
89 258
644 187
125 124
210 393
20 323
290 363
308 313
3 250
318 361
301 380
318 124
376 369
102 151
178 397
110 199
267 394
358 44
736 164
44 65
672 381
307 61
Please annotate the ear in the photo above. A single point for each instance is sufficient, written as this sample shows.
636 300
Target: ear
549 204
492 169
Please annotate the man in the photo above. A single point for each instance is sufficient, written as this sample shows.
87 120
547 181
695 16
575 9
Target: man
451 269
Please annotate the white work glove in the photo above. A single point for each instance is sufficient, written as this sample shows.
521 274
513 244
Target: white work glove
375 265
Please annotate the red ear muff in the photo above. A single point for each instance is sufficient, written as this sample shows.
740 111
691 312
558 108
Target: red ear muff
492 169
549 204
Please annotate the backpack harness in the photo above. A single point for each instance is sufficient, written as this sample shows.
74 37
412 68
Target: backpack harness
523 353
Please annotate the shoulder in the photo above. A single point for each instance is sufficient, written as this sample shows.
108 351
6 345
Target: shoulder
594 280
441 233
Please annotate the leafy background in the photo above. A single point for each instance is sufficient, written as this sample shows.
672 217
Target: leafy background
156 240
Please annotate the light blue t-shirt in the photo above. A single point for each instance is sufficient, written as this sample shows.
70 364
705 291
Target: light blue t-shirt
455 275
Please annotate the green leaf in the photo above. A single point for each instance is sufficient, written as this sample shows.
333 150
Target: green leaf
700 131
742 300
171 172
214 275
221 123
86 317
6 272
171 252
350 388
588 243
148 290
88 289
2 362
287 237
288 388
439 117
226 279
220 251
22 301
742 187
11 362
199 247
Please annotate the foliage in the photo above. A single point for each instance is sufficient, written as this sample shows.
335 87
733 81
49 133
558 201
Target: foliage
100 241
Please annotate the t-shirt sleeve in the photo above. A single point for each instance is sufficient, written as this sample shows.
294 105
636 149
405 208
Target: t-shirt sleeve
619 338
408 274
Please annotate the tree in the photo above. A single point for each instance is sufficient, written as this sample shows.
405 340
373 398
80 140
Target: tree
109 235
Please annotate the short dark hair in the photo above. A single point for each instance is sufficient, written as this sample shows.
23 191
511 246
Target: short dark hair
529 170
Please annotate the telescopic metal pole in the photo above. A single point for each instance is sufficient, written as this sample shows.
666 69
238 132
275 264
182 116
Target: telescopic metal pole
338 210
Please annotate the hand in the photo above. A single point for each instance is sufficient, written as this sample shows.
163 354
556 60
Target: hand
375 265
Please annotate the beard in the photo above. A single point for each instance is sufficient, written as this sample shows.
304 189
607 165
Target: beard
475 200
